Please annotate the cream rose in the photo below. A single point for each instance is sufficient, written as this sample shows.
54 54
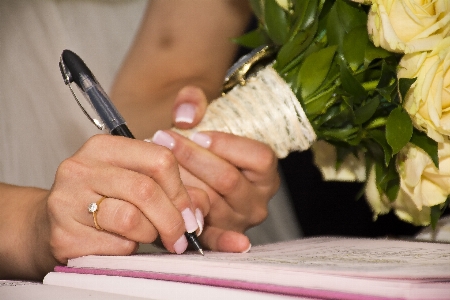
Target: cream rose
428 99
325 158
378 202
422 185
408 26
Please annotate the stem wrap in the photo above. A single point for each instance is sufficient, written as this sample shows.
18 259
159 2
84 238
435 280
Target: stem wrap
264 109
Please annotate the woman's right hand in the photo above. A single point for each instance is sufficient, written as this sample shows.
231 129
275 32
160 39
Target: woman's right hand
145 198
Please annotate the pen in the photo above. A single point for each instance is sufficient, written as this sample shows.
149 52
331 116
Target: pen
73 69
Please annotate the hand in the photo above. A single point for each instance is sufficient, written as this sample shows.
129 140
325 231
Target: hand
145 198
239 174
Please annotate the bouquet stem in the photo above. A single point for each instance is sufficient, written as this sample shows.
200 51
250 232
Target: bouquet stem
264 109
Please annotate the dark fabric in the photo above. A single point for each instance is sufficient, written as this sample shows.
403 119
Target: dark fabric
331 208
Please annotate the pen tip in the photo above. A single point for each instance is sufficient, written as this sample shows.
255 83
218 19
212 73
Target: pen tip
201 252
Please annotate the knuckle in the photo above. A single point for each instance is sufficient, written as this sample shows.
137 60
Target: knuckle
267 159
165 160
127 219
96 141
60 243
230 181
143 189
71 168
184 153
126 247
258 215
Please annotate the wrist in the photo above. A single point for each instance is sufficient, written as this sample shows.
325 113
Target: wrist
21 250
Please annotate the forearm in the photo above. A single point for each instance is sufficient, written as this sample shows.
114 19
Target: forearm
24 248
179 43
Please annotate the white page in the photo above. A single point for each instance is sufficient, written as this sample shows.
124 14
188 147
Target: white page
355 257
156 289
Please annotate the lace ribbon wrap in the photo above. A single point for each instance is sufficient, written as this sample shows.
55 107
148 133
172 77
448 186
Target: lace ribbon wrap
264 109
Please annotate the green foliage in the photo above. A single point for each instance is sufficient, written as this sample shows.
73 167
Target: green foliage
347 87
399 129
437 211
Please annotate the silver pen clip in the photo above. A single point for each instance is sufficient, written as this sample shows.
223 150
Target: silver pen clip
67 77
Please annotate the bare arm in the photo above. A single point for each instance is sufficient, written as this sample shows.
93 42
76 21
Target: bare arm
187 43
22 218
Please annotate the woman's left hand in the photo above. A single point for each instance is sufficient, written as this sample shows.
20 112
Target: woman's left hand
239 175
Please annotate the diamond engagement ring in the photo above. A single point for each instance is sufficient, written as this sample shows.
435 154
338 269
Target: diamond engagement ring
93 208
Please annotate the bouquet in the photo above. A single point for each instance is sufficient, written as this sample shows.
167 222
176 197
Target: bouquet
365 84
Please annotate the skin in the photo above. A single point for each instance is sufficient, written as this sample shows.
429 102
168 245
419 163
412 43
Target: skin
180 55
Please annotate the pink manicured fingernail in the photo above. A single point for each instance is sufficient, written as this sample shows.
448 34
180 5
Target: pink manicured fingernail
185 113
189 220
164 139
248 249
200 221
201 139
180 245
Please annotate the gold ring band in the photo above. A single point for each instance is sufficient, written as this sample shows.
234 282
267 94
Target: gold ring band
93 208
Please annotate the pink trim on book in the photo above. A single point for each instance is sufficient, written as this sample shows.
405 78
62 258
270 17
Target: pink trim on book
226 283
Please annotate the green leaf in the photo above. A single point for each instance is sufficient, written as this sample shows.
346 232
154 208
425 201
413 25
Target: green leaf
253 39
421 140
305 13
388 180
404 84
354 46
373 53
399 129
343 17
366 111
350 84
380 137
435 214
276 22
258 8
295 47
341 134
314 70
319 104
352 14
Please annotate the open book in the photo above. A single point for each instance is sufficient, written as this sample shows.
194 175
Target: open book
325 268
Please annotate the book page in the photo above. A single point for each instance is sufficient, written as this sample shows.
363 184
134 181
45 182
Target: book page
371 258
359 257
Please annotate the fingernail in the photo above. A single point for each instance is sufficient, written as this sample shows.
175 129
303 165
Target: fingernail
248 249
185 113
180 245
164 139
189 220
200 221
201 139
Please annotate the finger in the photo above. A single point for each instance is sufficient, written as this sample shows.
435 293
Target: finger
221 214
200 199
149 159
189 107
257 163
218 239
205 165
74 240
125 219
220 175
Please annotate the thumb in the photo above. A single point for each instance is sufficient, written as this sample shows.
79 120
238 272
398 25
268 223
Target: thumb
189 107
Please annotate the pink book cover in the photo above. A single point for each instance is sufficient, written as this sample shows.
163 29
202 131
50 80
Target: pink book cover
235 284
